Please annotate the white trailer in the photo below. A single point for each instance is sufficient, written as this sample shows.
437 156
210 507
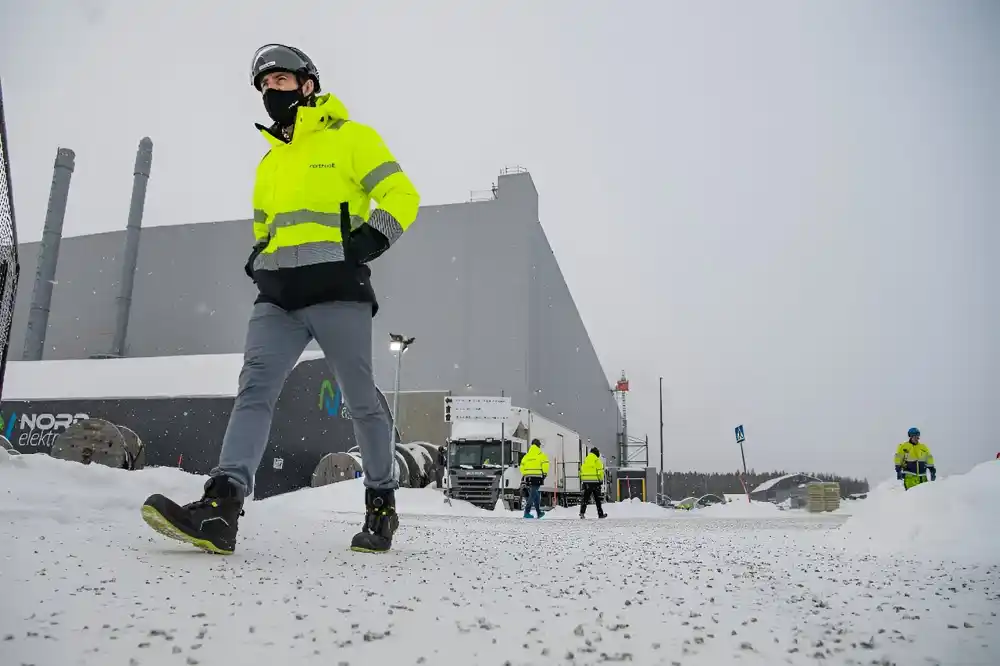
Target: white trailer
564 448
481 470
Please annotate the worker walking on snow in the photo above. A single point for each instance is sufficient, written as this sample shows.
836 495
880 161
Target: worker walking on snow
534 469
591 477
442 464
913 461
315 233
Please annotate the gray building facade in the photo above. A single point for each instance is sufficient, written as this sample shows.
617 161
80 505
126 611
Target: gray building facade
476 284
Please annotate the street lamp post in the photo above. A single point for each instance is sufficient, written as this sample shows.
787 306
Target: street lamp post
398 344
661 443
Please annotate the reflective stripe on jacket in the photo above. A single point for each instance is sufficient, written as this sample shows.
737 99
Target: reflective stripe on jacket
913 458
534 462
300 186
592 469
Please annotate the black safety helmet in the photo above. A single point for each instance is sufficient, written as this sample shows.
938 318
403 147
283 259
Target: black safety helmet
280 58
596 451
536 442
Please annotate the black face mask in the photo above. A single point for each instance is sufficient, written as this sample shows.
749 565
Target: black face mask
282 105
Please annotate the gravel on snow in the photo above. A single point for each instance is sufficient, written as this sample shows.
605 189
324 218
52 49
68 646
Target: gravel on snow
103 589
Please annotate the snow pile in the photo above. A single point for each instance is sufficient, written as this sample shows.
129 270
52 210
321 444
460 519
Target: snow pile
889 485
36 484
742 509
39 484
631 508
952 518
349 496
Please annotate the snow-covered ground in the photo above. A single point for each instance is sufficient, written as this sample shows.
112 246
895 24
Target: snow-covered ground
84 581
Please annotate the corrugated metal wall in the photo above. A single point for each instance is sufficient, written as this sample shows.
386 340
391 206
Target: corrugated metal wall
476 283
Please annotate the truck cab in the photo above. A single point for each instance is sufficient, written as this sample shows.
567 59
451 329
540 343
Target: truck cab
475 473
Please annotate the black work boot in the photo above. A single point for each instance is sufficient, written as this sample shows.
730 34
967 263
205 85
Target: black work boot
381 522
209 523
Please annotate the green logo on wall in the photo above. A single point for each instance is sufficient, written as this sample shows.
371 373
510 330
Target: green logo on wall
332 400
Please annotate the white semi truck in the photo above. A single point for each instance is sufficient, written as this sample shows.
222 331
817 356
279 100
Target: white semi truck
481 471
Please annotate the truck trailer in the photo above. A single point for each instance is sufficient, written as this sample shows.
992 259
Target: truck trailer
484 459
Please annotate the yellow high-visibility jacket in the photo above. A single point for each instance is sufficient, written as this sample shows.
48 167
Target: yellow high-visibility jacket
299 195
534 463
592 469
914 458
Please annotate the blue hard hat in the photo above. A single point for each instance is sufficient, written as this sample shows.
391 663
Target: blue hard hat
913 432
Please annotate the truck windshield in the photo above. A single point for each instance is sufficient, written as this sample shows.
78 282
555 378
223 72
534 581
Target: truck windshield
478 454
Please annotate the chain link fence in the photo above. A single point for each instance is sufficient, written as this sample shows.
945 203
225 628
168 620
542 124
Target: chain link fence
10 269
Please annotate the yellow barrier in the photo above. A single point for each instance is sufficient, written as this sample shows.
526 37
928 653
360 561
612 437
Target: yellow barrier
622 495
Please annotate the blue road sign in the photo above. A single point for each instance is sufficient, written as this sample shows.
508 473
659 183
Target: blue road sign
740 437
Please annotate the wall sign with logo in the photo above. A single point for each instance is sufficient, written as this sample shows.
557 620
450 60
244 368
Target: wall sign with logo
331 400
36 429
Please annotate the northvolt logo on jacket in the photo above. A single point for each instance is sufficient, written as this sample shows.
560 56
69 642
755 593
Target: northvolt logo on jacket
331 165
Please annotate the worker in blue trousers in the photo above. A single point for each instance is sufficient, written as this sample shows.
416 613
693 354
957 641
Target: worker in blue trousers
534 469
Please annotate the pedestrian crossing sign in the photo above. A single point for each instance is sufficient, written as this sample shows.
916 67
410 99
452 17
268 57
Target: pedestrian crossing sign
740 437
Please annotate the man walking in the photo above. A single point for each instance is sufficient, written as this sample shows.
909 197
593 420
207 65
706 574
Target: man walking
314 235
534 468
591 477
913 460
442 465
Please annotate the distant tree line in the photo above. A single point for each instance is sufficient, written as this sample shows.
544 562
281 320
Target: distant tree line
679 485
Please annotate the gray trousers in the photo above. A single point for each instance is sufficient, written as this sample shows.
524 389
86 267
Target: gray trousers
275 341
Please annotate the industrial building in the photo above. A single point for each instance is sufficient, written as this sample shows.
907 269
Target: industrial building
475 283
781 488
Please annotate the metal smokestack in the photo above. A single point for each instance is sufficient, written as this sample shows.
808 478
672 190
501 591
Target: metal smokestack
143 163
48 256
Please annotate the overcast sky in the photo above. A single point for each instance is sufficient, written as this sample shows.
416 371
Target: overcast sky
788 210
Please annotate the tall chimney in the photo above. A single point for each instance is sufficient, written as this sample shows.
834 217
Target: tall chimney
143 163
48 256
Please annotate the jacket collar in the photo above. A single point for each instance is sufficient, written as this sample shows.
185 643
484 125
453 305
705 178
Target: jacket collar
308 119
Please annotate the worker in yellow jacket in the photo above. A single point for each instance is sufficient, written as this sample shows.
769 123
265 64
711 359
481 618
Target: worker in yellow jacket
315 233
592 479
534 468
913 460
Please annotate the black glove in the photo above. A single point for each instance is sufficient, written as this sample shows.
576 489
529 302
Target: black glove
257 249
899 472
933 471
366 244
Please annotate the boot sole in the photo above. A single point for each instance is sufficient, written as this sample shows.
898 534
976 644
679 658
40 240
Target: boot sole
359 549
160 524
